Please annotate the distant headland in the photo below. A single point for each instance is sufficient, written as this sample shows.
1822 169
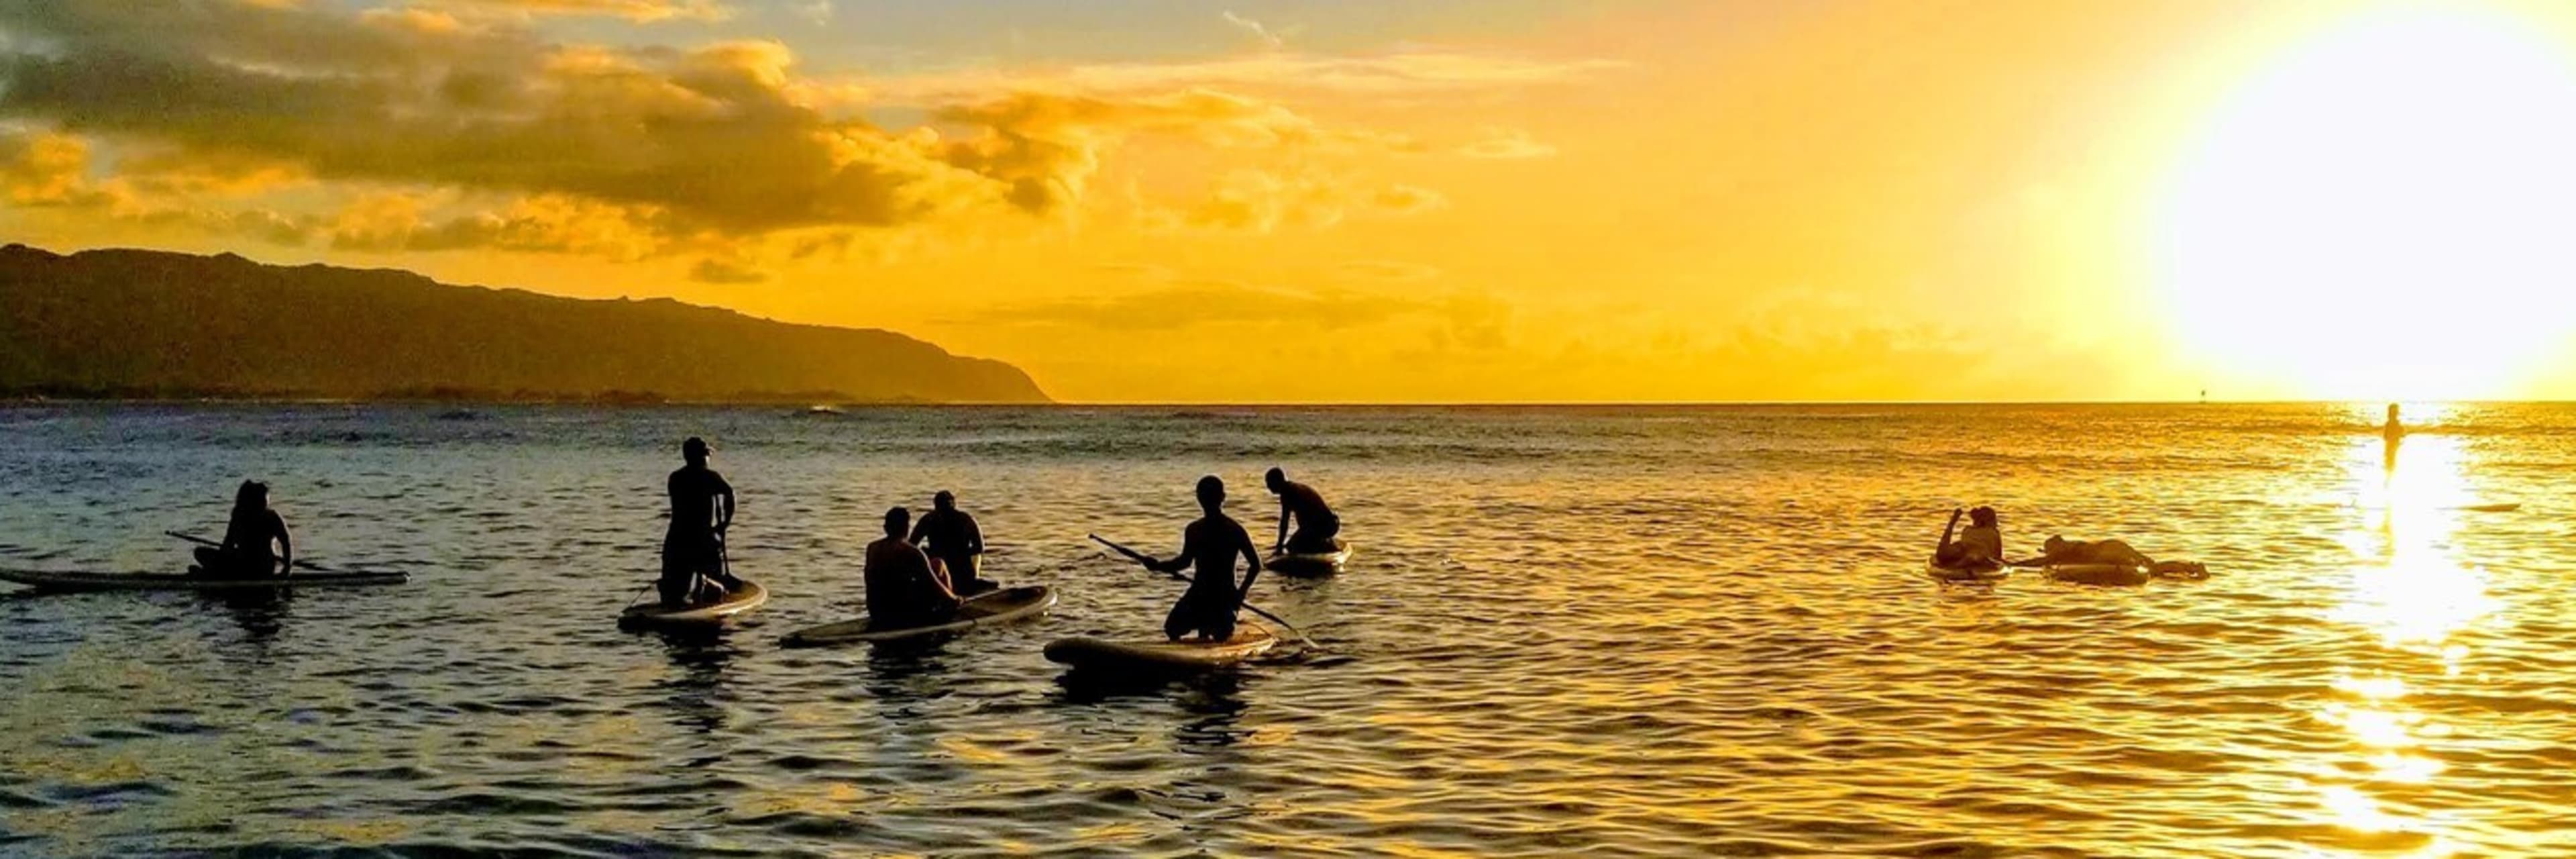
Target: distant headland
142 324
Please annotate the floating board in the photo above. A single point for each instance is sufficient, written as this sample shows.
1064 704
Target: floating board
1159 656
65 581
750 597
1970 573
994 607
2108 575
1312 563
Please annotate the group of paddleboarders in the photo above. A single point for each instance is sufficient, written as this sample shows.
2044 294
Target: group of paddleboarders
918 573
1981 546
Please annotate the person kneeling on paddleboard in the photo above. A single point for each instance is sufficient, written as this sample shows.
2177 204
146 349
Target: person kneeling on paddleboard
955 544
2059 551
1982 545
1210 544
245 552
693 550
902 588
1316 523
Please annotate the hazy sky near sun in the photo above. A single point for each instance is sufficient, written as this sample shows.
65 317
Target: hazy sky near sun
1558 200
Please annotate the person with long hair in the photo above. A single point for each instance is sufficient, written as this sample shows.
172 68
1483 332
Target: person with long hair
256 543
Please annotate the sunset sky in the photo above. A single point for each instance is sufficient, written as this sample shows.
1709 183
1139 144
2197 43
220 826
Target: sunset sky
1430 200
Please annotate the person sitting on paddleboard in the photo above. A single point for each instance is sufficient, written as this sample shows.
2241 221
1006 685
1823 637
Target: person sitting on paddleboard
1316 523
956 545
1210 544
2059 551
701 510
902 588
1982 545
245 552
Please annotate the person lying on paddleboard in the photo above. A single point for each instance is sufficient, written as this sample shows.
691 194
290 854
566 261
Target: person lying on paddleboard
955 544
1316 523
2059 551
1981 545
245 552
1210 544
692 550
903 590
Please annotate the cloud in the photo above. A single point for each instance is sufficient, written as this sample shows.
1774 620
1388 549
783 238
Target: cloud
1414 72
547 223
45 169
712 270
641 11
1258 32
1387 271
684 146
1506 143
1208 302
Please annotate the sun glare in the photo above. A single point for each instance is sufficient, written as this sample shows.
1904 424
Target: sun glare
2384 212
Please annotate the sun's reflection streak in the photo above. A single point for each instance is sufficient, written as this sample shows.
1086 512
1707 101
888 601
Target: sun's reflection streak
2408 588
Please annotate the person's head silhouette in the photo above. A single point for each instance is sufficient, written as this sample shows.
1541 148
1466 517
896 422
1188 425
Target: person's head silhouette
897 521
694 450
1275 479
1211 493
944 501
1982 517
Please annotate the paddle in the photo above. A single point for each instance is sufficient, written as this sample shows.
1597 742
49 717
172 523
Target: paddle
212 544
1140 557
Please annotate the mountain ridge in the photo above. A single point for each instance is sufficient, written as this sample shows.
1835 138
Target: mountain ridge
224 326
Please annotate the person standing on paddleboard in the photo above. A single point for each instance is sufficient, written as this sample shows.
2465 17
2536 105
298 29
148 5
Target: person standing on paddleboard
701 510
955 543
1210 544
1316 524
245 552
902 590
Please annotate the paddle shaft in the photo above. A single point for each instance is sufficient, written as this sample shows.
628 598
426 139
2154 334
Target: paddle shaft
212 544
1142 558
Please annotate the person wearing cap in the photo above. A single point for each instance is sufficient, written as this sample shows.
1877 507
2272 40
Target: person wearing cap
693 548
246 552
955 544
1316 523
1210 544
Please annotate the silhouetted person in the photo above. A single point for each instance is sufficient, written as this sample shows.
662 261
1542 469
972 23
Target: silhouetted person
956 545
2059 550
1982 545
245 552
1210 545
902 588
1316 523
692 550
2393 432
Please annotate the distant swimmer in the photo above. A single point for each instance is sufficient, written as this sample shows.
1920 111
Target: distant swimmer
246 552
902 588
1981 545
2061 551
1210 544
1316 523
955 544
2392 433
693 548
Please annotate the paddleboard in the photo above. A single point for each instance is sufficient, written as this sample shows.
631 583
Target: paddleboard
1312 563
70 581
2108 575
1971 573
751 596
993 607
1156 655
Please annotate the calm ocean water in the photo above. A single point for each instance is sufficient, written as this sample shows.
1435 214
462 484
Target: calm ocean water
1619 631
